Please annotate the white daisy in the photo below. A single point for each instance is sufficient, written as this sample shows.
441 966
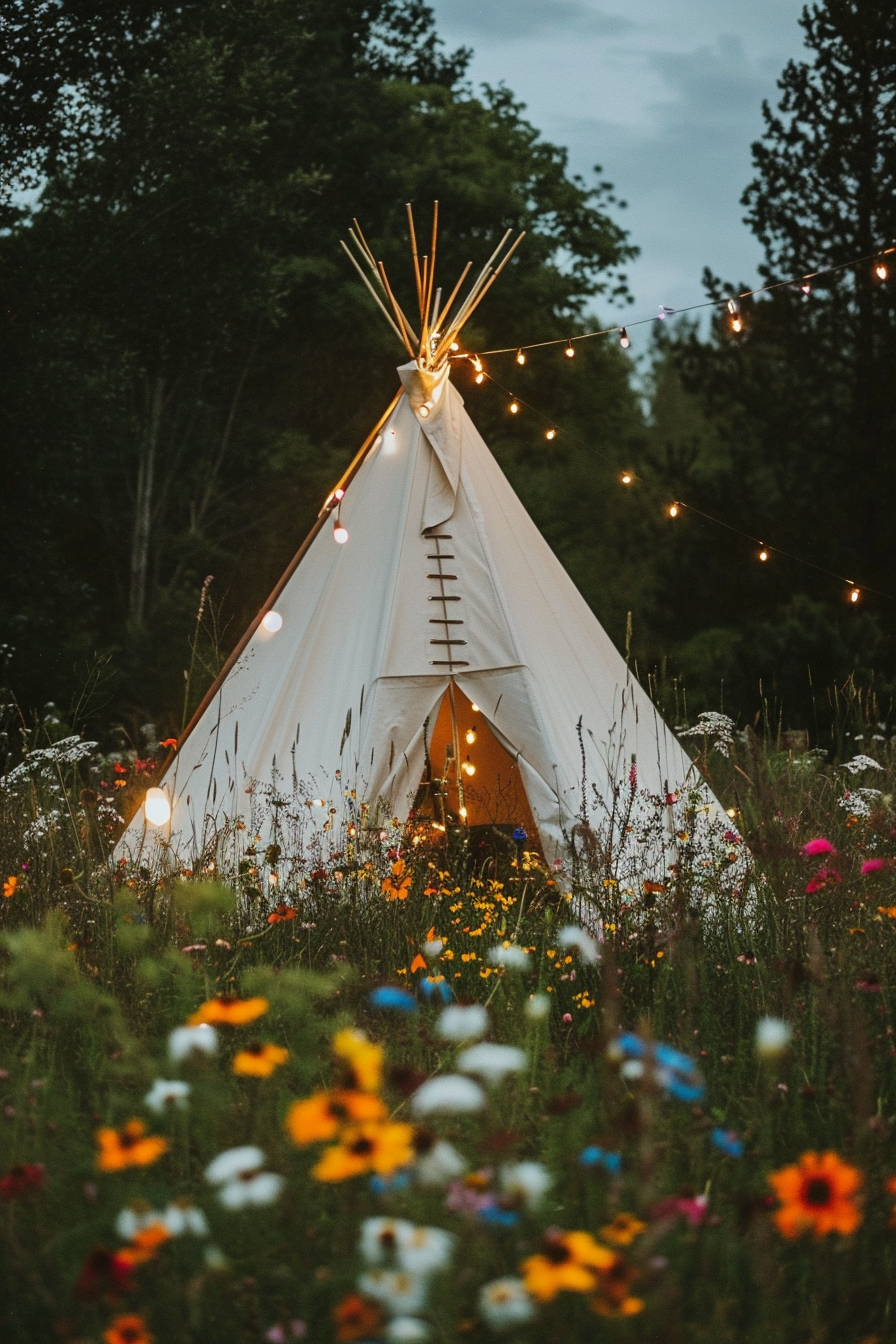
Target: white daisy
167 1094
407 1330
426 1250
186 1041
537 1007
234 1162
380 1238
451 1093
183 1217
438 1165
398 1293
528 1181
135 1218
509 955
251 1188
491 1061
463 1022
573 936
504 1303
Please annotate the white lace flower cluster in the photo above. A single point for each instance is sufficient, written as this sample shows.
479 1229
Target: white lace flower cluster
400 1258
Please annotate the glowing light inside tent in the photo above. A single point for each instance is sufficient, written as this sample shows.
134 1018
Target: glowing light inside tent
480 377
470 735
475 709
468 768
156 807
340 532
272 621
463 813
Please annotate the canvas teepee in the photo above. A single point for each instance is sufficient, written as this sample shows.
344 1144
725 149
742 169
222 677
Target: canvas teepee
440 658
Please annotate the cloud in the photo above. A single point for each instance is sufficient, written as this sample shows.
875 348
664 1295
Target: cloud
517 20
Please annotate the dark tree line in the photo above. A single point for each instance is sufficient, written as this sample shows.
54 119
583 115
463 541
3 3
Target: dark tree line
189 361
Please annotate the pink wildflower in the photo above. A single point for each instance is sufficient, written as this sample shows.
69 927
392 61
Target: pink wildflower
873 866
819 846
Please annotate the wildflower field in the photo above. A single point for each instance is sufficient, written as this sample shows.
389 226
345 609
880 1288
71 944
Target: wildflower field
402 1087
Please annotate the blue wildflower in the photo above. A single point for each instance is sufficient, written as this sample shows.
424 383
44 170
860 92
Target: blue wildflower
728 1141
520 835
390 996
593 1156
432 985
495 1216
392 1184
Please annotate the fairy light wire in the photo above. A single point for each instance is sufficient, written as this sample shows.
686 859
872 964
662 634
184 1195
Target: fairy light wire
681 503
664 313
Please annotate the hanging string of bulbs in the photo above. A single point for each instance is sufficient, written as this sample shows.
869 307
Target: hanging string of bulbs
880 272
628 478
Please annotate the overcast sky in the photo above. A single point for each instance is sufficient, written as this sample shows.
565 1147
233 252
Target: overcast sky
665 95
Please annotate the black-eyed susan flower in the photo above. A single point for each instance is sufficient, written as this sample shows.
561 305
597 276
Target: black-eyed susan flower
320 1117
128 1329
817 1194
623 1230
363 1058
259 1060
568 1261
613 1296
129 1146
227 1011
380 1148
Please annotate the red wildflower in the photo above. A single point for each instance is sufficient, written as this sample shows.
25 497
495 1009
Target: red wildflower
283 911
23 1180
104 1272
168 742
825 877
819 846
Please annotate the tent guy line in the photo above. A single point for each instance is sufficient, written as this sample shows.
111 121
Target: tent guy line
629 477
881 269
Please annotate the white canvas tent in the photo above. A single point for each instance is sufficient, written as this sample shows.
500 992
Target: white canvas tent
444 603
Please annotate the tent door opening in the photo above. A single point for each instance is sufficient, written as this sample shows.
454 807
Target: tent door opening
491 787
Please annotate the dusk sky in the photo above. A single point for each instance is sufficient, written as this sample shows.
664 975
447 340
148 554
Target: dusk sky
665 95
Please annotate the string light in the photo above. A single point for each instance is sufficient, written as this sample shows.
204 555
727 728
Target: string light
454 347
881 271
806 288
624 338
763 554
520 357
737 322
479 378
477 363
673 510
569 352
550 433
514 407
854 594
475 709
626 478
468 768
340 532
470 736
272 621
156 807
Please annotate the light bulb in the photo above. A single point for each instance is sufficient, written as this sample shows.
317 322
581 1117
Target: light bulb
514 407
423 410
806 288
626 478
463 813
156 807
272 621
732 306
569 352
763 554
731 811
475 709
737 324
550 434
624 338
477 363
520 357
468 768
479 377
470 735
854 594
454 346
673 510
340 533
882 271
338 494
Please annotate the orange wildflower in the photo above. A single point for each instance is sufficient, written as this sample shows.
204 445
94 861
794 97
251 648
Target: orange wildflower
818 1195
320 1117
129 1146
568 1260
614 1298
884 909
259 1061
227 1011
364 1059
283 911
397 886
128 1330
356 1318
418 964
144 1244
9 886
623 1229
382 1148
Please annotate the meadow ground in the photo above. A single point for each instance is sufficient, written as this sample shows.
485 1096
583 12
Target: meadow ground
407 1091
